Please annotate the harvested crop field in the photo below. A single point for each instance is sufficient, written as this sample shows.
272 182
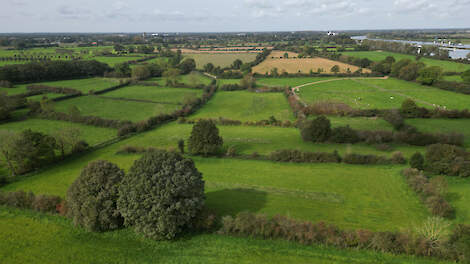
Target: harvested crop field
295 65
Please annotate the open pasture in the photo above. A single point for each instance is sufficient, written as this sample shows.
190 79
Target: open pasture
448 66
44 234
114 109
304 65
246 106
194 78
381 94
156 94
443 126
220 59
91 134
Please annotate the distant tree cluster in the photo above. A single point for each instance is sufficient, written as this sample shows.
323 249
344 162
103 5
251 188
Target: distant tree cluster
52 70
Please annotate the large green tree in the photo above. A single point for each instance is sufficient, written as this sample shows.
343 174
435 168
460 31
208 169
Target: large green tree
204 138
92 197
161 194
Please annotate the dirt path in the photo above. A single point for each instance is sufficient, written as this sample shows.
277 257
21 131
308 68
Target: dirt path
209 75
297 88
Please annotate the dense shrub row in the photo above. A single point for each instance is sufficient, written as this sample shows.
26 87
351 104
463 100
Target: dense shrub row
87 120
319 130
432 192
397 158
49 89
421 244
288 155
52 70
410 109
272 121
28 200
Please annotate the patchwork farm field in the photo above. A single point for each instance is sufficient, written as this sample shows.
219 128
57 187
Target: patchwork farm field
220 59
190 79
112 61
92 135
381 94
448 66
246 106
304 65
156 94
114 108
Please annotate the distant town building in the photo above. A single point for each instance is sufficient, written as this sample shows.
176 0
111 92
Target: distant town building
330 33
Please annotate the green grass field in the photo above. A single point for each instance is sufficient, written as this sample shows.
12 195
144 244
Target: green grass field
443 126
191 79
156 93
112 61
92 135
220 59
448 66
381 94
246 106
453 78
85 85
114 109
53 239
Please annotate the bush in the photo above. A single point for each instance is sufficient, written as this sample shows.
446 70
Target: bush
459 242
91 199
161 195
204 138
410 109
287 155
395 119
27 200
317 130
344 134
446 159
417 161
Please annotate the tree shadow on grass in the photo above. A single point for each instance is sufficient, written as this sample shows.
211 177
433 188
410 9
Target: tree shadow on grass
234 201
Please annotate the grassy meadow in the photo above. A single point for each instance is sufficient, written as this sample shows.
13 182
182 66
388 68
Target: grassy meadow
381 94
53 239
114 108
246 106
156 94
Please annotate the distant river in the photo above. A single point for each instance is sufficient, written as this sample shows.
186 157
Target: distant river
455 51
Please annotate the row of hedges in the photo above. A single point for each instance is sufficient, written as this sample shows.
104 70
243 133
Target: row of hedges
421 244
432 192
28 200
49 89
87 120
272 121
397 158
319 130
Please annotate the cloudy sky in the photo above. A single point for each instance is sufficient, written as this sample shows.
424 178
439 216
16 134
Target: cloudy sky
228 15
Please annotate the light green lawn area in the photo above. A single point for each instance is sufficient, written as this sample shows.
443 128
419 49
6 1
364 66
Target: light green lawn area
246 106
156 93
192 79
91 134
18 89
39 97
112 61
220 59
448 66
359 123
85 85
29 237
452 78
114 109
424 95
351 92
381 94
